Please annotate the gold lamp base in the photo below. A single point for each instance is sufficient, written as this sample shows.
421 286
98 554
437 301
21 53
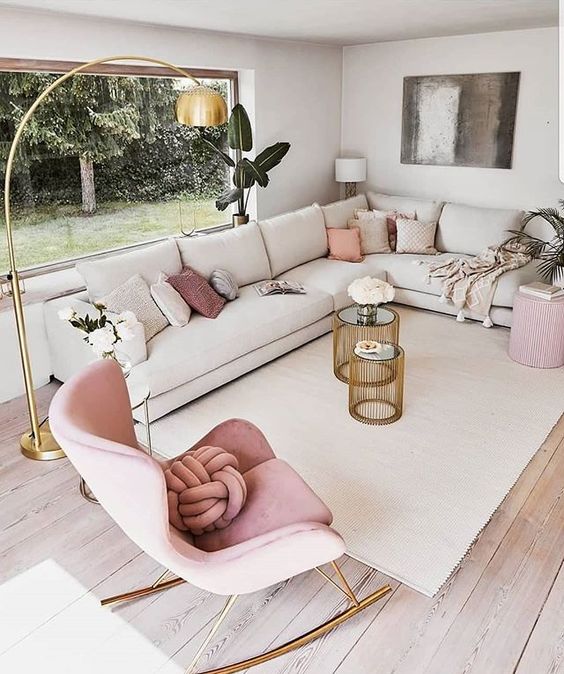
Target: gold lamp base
48 448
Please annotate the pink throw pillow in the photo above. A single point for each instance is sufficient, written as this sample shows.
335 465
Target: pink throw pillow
344 244
197 292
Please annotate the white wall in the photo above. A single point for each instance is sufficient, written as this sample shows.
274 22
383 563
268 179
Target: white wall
297 86
372 112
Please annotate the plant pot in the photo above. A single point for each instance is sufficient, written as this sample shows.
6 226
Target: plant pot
558 276
366 314
240 219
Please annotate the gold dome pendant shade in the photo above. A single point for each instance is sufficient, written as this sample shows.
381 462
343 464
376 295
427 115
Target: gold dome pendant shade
201 106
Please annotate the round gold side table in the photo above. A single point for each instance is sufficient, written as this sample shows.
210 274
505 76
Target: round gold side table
348 330
376 386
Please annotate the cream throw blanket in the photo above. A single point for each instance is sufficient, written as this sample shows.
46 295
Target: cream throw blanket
470 283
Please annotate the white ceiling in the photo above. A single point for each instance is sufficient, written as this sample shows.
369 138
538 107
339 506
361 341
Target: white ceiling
338 22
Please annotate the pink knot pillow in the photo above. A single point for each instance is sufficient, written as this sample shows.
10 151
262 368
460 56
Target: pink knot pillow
205 490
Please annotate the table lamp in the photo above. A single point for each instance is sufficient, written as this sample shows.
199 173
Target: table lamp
350 170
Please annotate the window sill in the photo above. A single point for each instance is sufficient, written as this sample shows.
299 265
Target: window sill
47 283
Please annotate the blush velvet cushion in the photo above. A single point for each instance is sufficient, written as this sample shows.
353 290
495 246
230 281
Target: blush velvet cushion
344 244
197 292
205 490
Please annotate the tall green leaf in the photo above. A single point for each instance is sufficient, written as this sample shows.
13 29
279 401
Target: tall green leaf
226 158
241 177
253 170
239 133
272 156
228 197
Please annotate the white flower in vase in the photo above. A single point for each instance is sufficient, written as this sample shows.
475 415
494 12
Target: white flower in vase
102 341
368 290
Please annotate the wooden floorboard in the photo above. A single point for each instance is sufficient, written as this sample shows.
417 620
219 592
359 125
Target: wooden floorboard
502 611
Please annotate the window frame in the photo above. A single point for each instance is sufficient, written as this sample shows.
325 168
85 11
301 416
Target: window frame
50 66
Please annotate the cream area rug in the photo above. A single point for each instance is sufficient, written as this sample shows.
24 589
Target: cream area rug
409 498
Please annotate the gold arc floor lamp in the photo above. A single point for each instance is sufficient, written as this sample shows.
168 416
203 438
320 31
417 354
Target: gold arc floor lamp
199 106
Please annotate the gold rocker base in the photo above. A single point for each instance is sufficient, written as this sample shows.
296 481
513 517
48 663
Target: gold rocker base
342 585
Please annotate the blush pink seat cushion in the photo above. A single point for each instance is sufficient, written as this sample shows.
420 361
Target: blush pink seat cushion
276 497
197 292
205 490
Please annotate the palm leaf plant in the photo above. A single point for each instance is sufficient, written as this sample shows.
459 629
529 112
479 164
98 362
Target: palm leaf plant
246 172
550 253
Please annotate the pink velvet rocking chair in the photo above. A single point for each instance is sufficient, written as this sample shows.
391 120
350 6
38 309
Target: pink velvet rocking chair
282 530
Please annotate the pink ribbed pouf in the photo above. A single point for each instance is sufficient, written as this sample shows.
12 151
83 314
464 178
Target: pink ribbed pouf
537 331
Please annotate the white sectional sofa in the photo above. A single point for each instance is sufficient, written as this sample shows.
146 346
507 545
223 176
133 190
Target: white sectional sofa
180 364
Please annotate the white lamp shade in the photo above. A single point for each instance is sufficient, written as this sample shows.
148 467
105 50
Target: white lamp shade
350 170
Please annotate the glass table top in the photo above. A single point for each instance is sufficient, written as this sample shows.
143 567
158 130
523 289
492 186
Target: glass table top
389 352
349 315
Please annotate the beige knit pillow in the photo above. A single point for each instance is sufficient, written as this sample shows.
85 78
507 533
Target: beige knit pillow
373 228
134 295
415 237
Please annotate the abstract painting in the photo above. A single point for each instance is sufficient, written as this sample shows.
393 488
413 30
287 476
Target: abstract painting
459 120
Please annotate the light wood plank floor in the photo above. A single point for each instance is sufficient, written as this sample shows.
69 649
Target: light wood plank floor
502 612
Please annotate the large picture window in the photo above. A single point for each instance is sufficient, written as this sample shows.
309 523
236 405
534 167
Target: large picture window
103 164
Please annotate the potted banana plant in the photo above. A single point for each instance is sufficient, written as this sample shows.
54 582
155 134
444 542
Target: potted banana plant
246 172
549 253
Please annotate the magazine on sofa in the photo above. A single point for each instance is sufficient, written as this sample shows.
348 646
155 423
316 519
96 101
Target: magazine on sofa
279 288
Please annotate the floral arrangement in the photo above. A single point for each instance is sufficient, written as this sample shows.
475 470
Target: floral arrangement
101 333
368 290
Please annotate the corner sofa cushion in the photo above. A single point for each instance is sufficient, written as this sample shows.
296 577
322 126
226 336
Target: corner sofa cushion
240 251
294 238
102 275
134 295
250 322
425 211
335 276
470 229
338 213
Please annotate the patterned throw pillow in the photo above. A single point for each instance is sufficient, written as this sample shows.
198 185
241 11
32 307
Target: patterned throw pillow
174 308
134 295
373 228
197 292
391 217
416 237
344 244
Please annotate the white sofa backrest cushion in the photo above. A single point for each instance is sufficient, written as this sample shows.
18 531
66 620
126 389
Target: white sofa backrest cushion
425 211
102 275
294 238
338 213
239 251
470 229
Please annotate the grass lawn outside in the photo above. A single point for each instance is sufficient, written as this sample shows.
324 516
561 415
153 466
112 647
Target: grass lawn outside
53 233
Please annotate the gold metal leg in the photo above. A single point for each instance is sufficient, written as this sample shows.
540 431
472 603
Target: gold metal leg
303 640
344 588
85 492
157 586
220 618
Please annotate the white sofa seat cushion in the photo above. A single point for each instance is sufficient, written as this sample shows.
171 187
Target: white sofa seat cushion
102 275
335 276
425 211
405 272
338 213
470 229
180 355
294 238
240 251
